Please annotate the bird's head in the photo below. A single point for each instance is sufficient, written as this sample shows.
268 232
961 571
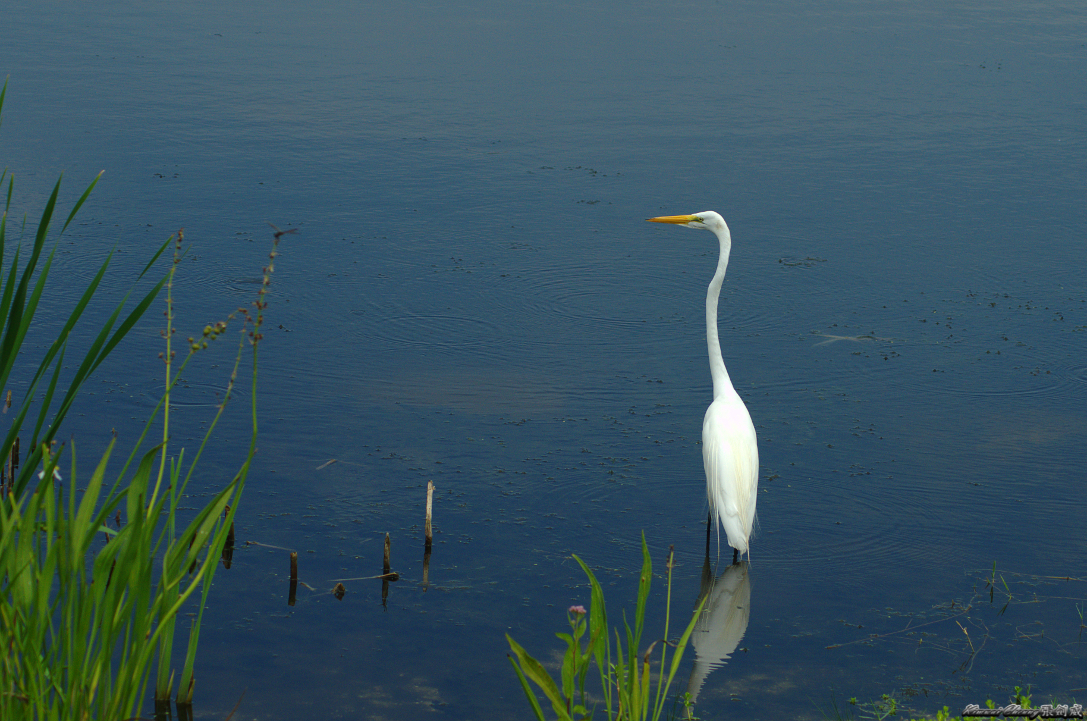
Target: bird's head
707 220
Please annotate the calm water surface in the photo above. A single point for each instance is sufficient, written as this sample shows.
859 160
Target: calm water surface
473 298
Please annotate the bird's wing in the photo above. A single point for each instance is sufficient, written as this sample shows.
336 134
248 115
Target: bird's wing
731 458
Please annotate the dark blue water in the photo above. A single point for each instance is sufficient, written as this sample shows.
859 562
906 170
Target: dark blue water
473 298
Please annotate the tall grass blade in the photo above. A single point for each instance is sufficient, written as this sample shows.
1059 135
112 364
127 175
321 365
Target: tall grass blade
528 690
645 579
82 199
535 671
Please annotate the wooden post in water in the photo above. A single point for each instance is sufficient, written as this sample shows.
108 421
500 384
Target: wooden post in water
228 547
386 564
429 508
429 534
11 463
385 573
294 579
230 533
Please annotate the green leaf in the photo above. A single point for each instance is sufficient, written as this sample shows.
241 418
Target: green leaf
677 656
82 526
598 617
528 690
599 635
569 668
644 581
535 671
82 199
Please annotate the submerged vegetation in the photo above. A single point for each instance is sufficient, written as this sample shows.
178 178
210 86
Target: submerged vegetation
977 619
1019 704
86 607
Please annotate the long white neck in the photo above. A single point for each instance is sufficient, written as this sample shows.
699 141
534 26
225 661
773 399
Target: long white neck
721 383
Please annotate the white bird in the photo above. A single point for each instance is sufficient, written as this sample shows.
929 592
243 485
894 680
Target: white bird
730 450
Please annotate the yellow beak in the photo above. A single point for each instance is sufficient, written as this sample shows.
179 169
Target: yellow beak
674 219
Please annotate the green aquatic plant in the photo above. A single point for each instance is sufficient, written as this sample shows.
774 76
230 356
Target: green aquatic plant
20 295
83 620
86 607
1019 702
625 672
177 589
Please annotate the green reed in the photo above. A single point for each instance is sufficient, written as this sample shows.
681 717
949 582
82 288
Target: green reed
86 608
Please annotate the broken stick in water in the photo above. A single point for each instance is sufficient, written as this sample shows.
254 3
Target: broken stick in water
429 506
228 547
292 591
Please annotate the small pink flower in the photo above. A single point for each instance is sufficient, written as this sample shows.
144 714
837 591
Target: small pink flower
579 610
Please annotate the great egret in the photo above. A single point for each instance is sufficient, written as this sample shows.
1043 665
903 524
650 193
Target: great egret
730 451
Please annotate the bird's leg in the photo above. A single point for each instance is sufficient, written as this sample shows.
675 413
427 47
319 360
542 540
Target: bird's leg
735 556
709 528
707 576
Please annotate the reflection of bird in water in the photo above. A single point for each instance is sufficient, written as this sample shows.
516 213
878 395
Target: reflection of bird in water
730 452
723 622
